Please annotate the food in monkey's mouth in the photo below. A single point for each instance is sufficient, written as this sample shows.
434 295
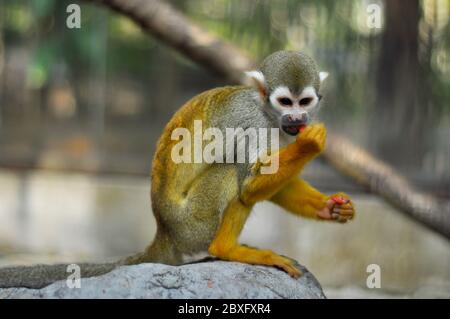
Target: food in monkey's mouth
294 129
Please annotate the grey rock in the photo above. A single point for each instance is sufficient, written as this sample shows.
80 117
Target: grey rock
212 279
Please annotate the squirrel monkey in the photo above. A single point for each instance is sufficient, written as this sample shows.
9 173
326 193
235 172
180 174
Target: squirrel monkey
200 208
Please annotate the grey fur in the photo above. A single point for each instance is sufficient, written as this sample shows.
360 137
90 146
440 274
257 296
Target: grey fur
39 276
293 69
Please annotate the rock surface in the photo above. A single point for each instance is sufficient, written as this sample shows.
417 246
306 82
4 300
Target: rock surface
214 279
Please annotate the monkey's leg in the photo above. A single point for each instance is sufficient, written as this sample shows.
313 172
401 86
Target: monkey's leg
259 187
304 200
225 244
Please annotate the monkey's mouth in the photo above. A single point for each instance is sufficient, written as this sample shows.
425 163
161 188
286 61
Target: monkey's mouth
293 129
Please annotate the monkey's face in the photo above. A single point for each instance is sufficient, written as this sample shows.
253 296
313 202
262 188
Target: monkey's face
293 110
288 83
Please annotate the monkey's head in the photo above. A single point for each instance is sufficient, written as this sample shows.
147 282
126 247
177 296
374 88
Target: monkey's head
288 83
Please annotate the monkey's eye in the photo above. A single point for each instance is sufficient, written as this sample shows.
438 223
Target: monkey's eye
305 101
285 101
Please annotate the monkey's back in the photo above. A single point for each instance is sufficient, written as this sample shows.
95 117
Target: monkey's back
190 197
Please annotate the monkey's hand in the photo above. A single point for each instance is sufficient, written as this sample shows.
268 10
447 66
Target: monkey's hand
338 208
312 140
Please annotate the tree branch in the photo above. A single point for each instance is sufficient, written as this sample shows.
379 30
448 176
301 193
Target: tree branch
171 27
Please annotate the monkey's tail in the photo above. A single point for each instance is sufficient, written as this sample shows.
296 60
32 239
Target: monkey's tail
39 276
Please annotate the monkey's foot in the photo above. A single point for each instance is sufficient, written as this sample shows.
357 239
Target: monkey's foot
339 208
256 257
285 264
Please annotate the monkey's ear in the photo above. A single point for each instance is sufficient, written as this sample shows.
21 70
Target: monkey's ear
323 75
259 82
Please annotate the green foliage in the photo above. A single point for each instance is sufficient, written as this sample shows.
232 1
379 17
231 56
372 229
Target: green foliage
42 8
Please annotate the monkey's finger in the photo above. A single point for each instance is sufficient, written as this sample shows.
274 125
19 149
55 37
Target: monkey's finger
335 216
318 129
322 134
342 219
307 132
338 209
345 206
344 212
324 213
330 203
320 126
321 142
292 271
287 266
316 134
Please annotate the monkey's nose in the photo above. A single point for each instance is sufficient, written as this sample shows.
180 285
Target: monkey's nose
295 119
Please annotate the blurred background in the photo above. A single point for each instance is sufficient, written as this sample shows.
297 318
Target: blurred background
81 111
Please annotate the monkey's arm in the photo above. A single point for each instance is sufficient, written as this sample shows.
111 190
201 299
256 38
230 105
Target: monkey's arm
302 199
291 161
259 187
